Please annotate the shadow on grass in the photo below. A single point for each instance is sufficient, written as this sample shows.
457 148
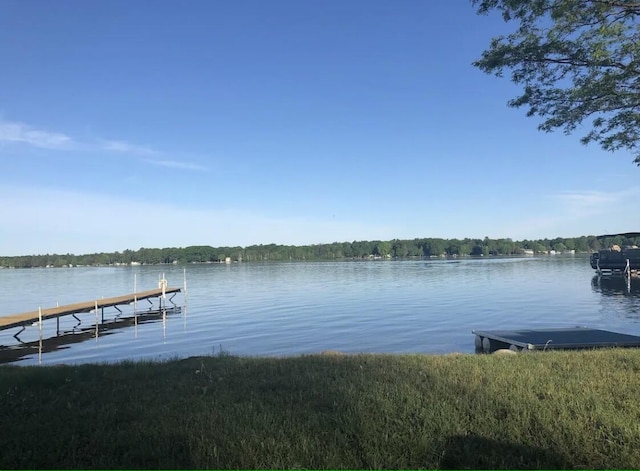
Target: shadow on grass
472 451
342 412
430 420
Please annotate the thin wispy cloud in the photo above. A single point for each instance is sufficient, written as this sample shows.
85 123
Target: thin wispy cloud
591 202
31 218
127 148
588 198
583 212
177 164
21 133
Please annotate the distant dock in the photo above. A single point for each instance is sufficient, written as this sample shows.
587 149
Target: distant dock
574 338
28 318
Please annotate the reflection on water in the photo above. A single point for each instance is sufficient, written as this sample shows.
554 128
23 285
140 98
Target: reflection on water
616 285
279 309
620 295
77 334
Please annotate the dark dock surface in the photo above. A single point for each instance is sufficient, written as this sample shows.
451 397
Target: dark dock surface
28 318
572 338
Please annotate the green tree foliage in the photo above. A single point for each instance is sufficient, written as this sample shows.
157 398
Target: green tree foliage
383 248
400 249
434 247
578 62
334 251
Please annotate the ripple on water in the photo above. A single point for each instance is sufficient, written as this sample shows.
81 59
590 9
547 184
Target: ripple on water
351 306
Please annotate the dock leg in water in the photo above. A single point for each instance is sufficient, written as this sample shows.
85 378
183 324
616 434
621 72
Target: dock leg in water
16 335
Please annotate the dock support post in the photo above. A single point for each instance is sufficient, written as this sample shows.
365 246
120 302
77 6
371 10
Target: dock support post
135 299
184 291
164 291
96 310
57 326
40 335
162 284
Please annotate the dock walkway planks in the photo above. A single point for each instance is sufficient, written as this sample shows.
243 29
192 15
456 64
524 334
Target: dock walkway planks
28 318
572 338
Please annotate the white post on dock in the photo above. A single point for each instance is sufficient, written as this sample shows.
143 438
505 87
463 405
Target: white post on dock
184 291
40 335
162 284
135 298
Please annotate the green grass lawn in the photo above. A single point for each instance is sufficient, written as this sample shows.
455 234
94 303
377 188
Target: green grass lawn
543 410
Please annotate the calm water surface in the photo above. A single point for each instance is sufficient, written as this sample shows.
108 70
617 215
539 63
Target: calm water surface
395 306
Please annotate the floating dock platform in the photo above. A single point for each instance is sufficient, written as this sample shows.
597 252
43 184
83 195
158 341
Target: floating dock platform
573 338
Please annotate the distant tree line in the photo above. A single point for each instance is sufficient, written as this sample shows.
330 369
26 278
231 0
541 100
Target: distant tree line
335 251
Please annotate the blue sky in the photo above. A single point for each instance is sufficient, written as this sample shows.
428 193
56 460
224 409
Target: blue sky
164 123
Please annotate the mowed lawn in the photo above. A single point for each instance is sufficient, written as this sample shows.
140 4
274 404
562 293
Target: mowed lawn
542 410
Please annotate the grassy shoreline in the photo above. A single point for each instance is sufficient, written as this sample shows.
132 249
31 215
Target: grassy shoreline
551 410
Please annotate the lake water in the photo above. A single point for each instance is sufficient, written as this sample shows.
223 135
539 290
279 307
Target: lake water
281 309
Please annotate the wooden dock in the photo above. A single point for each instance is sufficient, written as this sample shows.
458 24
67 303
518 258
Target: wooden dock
28 318
573 338
78 334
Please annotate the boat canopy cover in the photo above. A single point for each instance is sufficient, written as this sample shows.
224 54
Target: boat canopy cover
623 234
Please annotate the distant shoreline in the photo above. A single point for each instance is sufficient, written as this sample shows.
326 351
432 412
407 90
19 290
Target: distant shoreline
364 259
414 248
